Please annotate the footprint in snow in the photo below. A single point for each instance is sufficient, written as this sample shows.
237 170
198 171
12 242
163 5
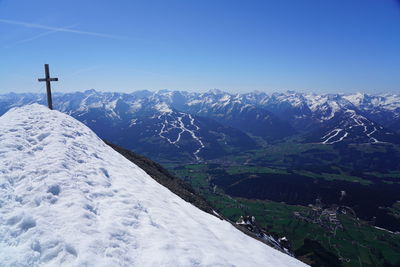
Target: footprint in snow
42 136
54 189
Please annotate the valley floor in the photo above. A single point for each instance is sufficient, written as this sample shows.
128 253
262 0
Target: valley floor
330 235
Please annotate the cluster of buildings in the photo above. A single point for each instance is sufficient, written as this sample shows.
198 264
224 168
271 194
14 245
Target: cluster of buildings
325 217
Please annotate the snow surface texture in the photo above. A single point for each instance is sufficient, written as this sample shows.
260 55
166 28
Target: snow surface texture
68 199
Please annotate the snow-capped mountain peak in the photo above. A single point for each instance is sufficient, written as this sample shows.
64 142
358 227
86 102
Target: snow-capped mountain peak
68 199
356 99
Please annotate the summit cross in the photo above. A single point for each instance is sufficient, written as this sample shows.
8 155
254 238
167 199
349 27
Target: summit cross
47 79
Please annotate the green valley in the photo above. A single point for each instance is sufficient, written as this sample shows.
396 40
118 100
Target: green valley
319 233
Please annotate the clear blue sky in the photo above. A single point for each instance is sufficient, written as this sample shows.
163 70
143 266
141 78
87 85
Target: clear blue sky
234 45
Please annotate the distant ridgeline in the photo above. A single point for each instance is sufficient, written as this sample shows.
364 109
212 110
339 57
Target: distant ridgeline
176 126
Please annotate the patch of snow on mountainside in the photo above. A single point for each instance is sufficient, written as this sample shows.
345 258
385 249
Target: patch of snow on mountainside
170 124
334 134
392 102
90 101
68 199
163 108
356 99
315 101
389 102
111 108
135 106
293 98
323 107
354 126
194 102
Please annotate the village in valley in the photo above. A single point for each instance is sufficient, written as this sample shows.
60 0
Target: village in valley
325 217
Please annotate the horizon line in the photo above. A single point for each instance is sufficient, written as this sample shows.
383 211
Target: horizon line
269 92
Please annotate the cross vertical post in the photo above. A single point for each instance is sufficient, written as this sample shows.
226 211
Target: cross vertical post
48 81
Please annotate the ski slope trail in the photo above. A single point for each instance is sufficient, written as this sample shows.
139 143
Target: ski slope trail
67 199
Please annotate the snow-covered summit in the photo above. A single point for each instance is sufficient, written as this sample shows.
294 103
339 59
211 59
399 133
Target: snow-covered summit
66 198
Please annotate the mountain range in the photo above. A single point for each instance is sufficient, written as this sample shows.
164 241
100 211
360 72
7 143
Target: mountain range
178 125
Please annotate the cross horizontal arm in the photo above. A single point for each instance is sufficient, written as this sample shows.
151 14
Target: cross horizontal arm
48 79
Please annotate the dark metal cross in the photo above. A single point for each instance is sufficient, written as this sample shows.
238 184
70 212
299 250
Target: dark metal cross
48 86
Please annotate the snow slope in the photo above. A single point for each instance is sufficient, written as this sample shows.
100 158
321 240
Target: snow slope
68 199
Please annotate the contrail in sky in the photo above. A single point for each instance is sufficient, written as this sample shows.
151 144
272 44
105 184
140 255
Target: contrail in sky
58 29
84 70
43 34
